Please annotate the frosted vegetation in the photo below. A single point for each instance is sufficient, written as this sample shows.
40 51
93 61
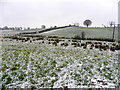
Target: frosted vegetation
37 65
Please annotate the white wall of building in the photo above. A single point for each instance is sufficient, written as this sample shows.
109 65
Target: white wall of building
119 12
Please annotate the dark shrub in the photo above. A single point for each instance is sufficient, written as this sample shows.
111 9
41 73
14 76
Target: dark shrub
77 37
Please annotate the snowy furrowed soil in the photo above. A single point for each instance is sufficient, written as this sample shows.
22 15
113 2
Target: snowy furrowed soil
37 65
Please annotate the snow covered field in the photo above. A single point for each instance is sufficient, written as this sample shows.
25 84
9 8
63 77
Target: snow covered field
37 65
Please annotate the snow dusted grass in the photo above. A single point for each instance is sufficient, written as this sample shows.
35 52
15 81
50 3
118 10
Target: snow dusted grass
40 65
89 32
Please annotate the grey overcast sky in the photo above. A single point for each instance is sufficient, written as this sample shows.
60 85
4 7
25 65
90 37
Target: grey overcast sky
34 13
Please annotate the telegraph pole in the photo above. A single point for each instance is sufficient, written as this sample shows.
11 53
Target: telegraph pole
113 32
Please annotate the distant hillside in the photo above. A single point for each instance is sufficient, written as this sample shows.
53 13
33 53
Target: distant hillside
67 31
89 32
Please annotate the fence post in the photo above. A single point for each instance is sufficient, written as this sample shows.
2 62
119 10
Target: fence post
83 35
113 32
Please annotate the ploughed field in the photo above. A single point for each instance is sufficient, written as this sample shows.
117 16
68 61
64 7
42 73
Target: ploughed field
38 62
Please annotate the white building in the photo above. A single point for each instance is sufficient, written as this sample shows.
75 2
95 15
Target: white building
119 12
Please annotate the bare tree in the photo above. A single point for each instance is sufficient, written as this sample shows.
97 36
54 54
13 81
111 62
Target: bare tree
87 22
6 28
43 26
28 28
111 23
